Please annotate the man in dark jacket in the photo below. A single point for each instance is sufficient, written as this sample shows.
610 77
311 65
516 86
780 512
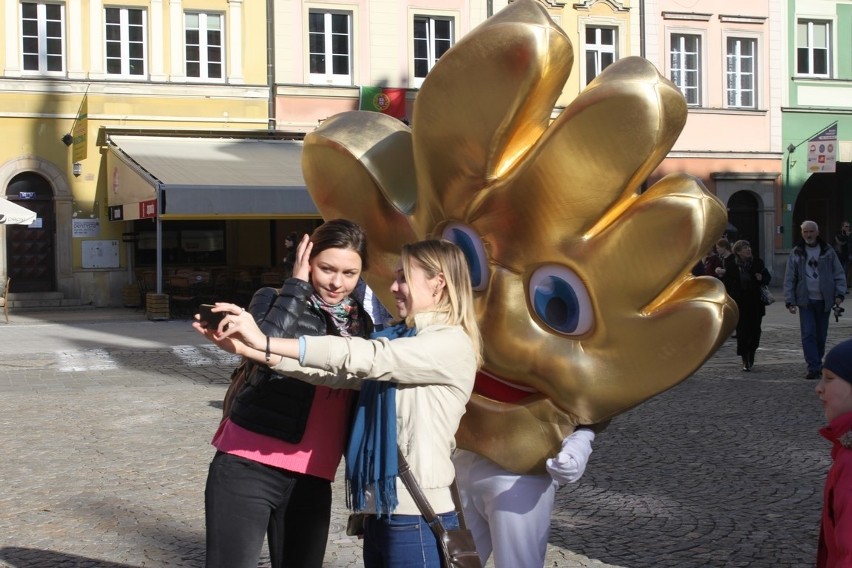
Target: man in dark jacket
814 283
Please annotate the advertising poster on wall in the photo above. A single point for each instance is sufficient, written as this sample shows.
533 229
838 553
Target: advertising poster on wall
822 150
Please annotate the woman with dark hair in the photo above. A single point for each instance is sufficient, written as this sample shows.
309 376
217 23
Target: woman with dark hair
279 447
415 379
744 275
714 263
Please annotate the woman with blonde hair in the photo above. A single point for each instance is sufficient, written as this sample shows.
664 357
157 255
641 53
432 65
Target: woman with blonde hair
415 379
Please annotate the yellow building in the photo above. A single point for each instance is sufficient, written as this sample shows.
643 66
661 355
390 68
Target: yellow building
82 67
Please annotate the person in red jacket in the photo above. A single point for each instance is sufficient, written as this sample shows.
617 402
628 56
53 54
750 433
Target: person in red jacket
835 393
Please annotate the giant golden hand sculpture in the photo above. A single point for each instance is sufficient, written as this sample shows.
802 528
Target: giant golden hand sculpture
582 283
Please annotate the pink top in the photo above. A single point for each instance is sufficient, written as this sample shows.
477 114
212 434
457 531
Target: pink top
318 453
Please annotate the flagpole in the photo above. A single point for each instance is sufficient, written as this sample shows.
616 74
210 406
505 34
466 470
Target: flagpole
68 139
792 147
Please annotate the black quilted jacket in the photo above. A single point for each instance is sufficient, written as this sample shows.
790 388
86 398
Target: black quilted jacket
280 407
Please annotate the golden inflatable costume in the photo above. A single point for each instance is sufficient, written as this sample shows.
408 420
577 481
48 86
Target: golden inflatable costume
582 315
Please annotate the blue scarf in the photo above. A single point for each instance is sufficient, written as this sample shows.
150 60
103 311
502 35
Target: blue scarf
371 456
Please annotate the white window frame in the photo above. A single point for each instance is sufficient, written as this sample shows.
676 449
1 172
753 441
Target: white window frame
204 47
696 90
432 57
41 19
597 22
737 91
598 49
124 41
328 77
810 47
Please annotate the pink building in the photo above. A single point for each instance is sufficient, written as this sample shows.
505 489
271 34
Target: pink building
325 51
724 55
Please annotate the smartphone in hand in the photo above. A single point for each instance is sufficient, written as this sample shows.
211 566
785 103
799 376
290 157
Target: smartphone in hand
210 318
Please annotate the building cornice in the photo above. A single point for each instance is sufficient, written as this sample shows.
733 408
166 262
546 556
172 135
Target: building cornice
613 4
132 89
745 176
730 19
711 155
687 16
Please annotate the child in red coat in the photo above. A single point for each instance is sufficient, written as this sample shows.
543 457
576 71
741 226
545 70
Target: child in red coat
835 392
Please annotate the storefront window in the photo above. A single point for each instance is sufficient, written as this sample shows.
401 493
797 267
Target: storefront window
192 244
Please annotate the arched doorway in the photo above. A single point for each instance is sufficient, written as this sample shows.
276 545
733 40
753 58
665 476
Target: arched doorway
743 214
823 199
30 258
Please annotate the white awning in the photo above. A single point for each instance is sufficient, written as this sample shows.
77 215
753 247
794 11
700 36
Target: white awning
13 214
203 178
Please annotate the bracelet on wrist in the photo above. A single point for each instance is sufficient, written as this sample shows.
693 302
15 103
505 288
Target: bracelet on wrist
268 354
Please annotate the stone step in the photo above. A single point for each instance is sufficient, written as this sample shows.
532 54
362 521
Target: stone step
41 300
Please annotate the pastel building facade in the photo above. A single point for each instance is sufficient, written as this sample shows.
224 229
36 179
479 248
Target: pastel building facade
817 91
726 57
77 67
759 77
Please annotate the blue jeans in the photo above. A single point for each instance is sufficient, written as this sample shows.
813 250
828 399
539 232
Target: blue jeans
813 323
403 541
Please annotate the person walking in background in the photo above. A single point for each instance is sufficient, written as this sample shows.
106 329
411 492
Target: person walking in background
744 275
714 264
415 379
841 247
279 448
835 393
814 282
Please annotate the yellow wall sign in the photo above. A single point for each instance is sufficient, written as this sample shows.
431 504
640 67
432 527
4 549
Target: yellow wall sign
80 131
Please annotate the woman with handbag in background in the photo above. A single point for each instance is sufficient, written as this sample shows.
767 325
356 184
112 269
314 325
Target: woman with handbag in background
280 443
415 379
744 277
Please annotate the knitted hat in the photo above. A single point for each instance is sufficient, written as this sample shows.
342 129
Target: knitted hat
839 360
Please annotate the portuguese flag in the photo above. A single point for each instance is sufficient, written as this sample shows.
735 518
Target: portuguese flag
383 99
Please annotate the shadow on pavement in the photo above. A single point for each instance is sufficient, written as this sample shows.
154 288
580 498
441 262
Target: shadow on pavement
19 557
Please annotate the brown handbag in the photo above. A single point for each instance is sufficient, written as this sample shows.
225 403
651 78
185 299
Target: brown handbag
457 547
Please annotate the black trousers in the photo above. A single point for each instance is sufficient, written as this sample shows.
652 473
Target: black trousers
244 500
748 330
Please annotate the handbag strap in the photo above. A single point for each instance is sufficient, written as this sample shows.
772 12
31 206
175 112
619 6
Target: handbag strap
423 504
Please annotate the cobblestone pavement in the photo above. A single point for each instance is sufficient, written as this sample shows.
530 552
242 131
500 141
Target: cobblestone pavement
106 420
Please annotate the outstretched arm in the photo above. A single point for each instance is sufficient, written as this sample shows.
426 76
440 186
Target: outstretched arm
570 463
239 333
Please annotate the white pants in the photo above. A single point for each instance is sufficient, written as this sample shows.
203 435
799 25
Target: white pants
508 514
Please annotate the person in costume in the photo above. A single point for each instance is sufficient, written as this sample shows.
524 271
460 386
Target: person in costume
509 514
835 393
415 379
278 449
581 317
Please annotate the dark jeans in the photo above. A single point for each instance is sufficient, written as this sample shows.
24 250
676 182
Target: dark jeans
813 323
403 541
245 500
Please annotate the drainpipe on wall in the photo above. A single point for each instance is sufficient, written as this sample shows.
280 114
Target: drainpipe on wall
489 8
270 61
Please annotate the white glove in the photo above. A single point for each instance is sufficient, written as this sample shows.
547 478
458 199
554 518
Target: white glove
570 463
